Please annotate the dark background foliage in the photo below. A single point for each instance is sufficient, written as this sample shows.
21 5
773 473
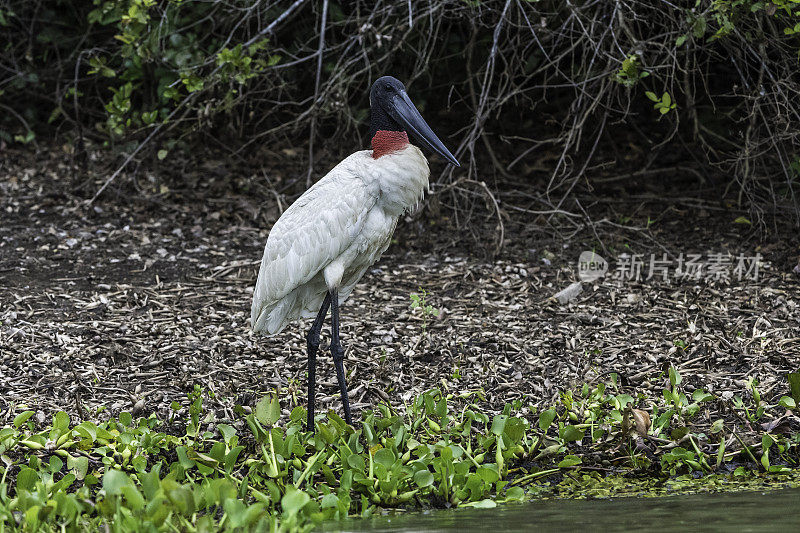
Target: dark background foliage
545 97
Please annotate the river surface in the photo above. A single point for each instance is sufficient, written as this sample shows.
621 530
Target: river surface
772 511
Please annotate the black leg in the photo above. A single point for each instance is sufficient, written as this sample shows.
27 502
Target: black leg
338 355
313 345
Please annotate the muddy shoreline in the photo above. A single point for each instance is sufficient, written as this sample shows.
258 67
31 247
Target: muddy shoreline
130 302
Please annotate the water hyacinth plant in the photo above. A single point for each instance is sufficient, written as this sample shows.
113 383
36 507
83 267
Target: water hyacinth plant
268 473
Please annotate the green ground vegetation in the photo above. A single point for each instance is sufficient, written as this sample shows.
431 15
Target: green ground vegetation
189 473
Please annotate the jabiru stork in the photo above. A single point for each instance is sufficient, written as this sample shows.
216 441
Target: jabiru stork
327 239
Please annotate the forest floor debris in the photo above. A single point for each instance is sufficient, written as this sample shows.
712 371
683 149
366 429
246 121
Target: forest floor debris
128 303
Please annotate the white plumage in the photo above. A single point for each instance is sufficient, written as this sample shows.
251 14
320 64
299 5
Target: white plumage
328 238
322 245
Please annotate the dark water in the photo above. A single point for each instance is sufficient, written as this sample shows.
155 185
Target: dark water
772 512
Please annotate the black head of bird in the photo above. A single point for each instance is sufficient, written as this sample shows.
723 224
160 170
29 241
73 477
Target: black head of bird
391 109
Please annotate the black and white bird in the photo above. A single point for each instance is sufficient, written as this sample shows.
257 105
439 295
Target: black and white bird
327 239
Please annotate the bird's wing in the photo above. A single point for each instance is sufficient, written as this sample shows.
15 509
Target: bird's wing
312 232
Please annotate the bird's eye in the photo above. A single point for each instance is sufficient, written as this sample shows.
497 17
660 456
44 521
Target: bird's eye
387 87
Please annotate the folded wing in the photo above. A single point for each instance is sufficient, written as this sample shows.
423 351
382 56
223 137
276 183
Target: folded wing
311 233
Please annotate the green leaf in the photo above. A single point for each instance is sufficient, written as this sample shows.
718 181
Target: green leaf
742 220
356 462
488 473
652 96
139 463
570 460
621 400
515 493
230 459
151 481
571 433
193 83
183 499
446 453
228 432
794 387
26 479
674 377
699 395
294 500
441 408
125 418
22 418
721 452
678 433
162 154
268 410
149 117
680 40
423 478
183 458
133 497
328 501
114 480
483 504
699 28
515 429
499 424
546 418
385 457
765 461
298 414
61 421
86 430
79 466
787 402
666 99
55 464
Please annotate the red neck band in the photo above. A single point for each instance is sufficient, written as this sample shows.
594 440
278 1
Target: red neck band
385 142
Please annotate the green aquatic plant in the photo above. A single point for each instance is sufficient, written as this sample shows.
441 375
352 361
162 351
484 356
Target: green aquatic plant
263 471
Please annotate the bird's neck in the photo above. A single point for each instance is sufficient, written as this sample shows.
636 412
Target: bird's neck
385 142
385 134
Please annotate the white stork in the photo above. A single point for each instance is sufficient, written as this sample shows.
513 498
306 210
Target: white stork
325 241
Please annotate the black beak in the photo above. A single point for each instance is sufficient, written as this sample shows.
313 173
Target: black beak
403 110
